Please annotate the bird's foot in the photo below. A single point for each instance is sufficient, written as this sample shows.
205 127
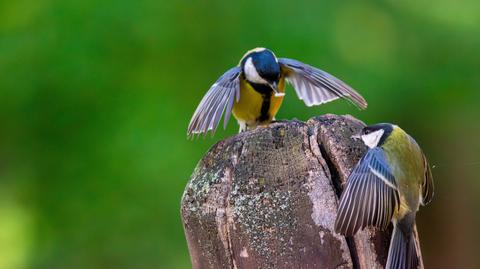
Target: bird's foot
279 121
284 120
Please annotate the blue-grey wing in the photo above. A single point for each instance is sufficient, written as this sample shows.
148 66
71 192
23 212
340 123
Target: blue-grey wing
218 100
315 86
370 197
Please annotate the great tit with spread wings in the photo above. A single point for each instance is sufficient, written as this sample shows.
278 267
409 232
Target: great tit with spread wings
388 184
253 91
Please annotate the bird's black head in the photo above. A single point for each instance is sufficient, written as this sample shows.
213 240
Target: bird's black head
260 66
375 135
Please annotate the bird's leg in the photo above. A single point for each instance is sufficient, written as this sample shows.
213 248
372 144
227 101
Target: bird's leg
243 126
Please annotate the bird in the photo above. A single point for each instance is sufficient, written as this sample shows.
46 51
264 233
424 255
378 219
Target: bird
388 184
254 90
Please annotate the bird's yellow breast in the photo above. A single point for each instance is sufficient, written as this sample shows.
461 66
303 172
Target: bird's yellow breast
249 108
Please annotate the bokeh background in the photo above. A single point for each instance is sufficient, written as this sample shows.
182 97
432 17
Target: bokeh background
96 96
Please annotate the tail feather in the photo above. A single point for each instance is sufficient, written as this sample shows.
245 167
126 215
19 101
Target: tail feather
402 253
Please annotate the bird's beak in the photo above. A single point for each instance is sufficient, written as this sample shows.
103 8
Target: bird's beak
274 86
356 136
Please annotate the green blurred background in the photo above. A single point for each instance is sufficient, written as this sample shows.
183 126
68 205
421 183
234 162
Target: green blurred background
96 96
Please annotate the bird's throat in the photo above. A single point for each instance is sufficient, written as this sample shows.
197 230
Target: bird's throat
262 88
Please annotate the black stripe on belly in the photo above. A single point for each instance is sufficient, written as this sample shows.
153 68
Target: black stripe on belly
264 115
266 93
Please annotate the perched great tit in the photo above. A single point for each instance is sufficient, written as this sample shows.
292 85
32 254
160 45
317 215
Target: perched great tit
388 184
254 91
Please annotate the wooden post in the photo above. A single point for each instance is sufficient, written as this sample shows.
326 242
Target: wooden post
268 199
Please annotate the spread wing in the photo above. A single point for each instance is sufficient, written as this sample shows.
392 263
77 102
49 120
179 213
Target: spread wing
427 186
370 197
219 99
315 86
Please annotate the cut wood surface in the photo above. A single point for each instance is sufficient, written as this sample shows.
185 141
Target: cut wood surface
268 198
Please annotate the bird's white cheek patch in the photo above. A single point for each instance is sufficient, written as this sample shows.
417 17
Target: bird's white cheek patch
372 139
252 74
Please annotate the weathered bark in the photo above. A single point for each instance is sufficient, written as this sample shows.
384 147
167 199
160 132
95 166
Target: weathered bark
268 199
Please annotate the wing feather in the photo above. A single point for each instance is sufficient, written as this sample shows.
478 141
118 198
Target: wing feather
217 112
427 186
217 101
315 86
370 197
